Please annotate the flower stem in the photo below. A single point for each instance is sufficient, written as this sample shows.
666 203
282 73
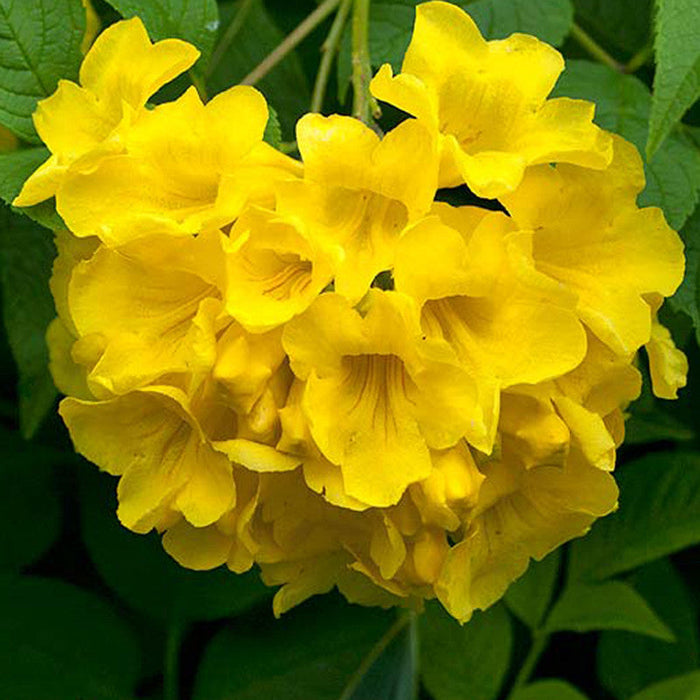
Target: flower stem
587 42
198 82
291 41
171 662
229 35
364 105
329 49
640 58
539 644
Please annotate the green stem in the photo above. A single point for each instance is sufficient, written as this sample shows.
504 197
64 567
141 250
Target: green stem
291 41
640 58
364 105
198 82
539 644
329 49
229 35
377 650
171 662
587 42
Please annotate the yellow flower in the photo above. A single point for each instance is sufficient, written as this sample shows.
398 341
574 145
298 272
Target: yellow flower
92 26
378 395
609 254
488 101
81 124
359 193
184 170
153 441
275 269
507 323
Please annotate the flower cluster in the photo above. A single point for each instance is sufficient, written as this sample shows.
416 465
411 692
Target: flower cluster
317 368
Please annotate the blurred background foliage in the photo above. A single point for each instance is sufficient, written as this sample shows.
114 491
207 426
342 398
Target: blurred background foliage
92 611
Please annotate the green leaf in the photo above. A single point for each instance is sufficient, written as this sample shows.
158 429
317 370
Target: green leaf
273 130
687 297
549 690
677 76
686 687
59 642
196 21
15 168
468 661
137 568
285 85
30 510
612 22
659 514
628 662
26 257
318 650
623 105
39 43
549 20
529 597
612 605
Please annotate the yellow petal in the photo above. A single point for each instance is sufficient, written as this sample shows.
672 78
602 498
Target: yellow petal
667 364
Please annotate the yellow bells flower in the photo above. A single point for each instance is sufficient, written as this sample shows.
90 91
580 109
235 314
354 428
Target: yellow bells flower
507 323
359 192
153 306
610 254
522 514
487 100
184 170
83 123
668 365
275 269
92 26
378 395
154 442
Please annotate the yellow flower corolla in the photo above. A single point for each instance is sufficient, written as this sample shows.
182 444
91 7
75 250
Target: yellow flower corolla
83 123
227 353
359 193
507 323
611 254
487 100
184 170
275 269
378 393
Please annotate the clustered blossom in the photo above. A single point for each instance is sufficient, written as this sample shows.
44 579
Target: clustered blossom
317 368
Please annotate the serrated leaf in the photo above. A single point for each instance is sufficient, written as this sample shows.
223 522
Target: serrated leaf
623 104
273 130
15 168
59 642
196 21
677 75
391 26
30 509
627 662
137 568
685 687
529 597
39 43
285 85
659 514
612 605
26 257
465 661
612 22
687 297
314 651
549 690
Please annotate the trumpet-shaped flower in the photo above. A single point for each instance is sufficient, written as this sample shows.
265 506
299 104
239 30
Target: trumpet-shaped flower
184 170
487 100
81 124
275 269
378 394
611 254
359 193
